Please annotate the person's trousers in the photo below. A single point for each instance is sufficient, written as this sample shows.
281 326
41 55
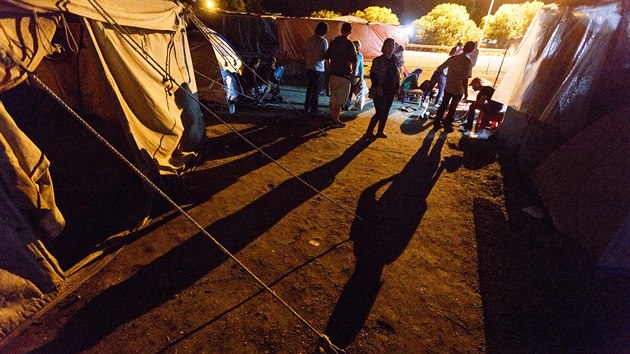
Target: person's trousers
382 104
440 81
451 101
315 80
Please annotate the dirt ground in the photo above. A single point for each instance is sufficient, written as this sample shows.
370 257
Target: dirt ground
416 244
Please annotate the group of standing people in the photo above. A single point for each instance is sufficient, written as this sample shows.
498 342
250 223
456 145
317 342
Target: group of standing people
344 63
345 66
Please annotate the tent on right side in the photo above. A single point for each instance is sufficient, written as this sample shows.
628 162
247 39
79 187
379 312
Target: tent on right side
568 122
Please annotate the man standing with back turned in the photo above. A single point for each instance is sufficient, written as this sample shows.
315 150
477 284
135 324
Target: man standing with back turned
343 60
316 47
459 70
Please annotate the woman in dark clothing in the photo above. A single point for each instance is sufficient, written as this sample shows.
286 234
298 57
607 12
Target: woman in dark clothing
385 76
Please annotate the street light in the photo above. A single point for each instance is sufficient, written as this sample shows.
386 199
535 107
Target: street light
485 23
209 5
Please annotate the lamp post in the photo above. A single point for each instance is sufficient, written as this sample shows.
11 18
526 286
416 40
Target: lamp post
485 23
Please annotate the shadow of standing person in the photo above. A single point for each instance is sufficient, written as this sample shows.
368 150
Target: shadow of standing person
388 224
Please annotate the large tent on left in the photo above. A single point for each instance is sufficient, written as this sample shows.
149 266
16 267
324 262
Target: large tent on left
126 68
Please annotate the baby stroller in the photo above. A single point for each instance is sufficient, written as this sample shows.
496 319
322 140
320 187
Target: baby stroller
427 93
275 84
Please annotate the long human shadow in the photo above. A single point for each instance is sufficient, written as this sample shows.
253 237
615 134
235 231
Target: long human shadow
176 270
388 224
200 185
413 126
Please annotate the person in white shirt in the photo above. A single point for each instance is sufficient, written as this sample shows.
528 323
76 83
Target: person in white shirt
316 47
474 54
459 70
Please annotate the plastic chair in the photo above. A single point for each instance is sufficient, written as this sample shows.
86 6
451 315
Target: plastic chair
489 120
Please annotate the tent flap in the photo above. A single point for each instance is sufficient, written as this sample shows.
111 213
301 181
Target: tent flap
164 120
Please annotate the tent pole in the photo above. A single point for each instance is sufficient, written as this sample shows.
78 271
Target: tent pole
501 65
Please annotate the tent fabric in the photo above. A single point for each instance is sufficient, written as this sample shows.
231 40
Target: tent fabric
148 14
591 199
216 66
293 33
567 120
350 18
165 122
27 212
568 42
28 45
162 121
24 171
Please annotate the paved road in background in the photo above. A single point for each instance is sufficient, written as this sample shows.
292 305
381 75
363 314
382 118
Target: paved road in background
486 68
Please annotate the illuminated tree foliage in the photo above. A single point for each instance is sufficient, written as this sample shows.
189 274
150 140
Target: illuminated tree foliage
446 24
511 20
231 5
325 14
255 6
378 14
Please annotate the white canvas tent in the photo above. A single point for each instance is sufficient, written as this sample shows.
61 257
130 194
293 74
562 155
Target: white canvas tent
136 71
567 91
217 67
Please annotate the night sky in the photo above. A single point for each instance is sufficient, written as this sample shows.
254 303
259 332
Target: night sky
406 10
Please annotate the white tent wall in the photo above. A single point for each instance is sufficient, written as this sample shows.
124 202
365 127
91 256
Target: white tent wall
163 122
217 67
567 121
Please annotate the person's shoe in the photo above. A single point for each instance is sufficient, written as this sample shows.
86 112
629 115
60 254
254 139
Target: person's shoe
338 124
368 136
381 135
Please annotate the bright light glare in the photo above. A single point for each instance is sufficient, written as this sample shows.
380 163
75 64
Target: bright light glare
208 5
409 29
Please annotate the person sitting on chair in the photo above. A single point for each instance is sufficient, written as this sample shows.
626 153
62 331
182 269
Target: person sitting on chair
252 84
268 74
484 102
410 82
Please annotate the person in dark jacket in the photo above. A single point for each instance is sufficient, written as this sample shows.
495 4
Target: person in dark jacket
343 60
484 102
385 75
